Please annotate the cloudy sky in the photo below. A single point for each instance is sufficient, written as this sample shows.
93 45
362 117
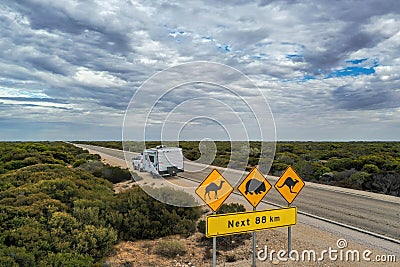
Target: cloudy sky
330 70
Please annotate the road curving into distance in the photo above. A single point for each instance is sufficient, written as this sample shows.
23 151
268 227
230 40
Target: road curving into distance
372 212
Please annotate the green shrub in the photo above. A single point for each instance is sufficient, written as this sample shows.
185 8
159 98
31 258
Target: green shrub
385 182
18 164
287 158
201 226
115 174
343 175
278 167
356 180
137 215
377 160
95 241
230 257
370 168
16 256
110 173
172 196
170 248
66 259
79 162
223 162
319 171
340 164
231 208
38 205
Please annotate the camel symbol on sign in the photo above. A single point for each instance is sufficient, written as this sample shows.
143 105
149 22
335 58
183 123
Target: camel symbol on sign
290 183
213 187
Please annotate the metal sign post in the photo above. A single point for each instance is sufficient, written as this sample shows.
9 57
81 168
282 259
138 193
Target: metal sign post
254 246
214 252
289 235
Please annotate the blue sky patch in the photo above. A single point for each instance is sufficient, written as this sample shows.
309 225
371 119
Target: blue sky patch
307 78
351 71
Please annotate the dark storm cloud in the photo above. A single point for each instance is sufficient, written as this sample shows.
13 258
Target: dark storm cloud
57 17
48 64
42 16
350 39
365 99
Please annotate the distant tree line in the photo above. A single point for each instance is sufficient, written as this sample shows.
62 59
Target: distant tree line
369 166
58 207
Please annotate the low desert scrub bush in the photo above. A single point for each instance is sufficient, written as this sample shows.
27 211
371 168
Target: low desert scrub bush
170 248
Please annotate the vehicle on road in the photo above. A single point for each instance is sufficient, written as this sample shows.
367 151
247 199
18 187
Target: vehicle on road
162 161
137 162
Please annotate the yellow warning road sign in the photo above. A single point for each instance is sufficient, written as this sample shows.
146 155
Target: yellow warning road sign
289 184
254 187
242 222
214 190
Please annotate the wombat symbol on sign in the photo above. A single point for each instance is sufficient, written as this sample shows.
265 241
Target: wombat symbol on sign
255 186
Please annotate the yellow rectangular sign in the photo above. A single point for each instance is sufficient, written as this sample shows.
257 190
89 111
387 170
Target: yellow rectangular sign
242 222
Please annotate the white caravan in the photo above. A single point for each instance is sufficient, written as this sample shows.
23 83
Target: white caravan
162 161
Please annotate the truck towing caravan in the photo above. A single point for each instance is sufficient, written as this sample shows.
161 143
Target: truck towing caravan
160 161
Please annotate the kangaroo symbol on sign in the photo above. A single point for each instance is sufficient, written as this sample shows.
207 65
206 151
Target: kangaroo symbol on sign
290 183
